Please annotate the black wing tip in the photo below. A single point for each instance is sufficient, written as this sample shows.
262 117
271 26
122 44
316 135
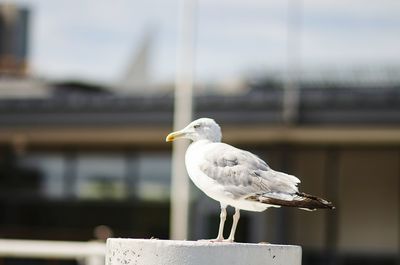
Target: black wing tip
328 206
317 203
305 202
321 206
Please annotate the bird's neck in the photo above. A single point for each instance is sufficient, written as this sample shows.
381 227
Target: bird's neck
199 143
204 141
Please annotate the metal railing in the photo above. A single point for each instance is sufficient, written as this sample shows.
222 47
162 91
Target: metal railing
88 253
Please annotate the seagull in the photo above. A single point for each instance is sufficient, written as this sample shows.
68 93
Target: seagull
236 177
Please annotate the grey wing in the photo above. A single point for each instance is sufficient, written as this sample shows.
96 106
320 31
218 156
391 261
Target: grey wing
243 174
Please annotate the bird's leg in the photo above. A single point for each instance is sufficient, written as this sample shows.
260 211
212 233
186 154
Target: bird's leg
222 219
236 217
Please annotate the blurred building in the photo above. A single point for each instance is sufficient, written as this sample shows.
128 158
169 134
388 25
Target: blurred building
15 81
83 157
137 76
13 40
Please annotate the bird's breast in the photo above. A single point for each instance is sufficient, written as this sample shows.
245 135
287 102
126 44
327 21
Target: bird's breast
193 159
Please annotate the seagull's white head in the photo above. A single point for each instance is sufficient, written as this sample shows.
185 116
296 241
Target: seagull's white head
200 129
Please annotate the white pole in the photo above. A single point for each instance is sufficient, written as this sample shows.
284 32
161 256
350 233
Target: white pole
291 93
182 116
52 249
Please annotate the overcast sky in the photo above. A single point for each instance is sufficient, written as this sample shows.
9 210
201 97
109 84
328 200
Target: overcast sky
95 39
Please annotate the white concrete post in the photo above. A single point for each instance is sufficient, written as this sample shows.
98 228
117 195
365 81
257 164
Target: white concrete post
172 252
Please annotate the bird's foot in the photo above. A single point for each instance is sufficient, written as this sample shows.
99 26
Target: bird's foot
215 240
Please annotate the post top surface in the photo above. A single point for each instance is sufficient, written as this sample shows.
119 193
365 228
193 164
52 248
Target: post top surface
189 243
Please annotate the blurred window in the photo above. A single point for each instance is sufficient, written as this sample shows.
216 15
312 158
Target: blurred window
100 176
96 176
153 172
49 168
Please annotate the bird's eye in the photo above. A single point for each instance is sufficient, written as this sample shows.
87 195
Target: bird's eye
196 126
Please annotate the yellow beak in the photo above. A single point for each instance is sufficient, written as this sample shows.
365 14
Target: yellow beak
174 135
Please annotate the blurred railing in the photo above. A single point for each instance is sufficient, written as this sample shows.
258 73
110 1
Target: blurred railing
88 253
